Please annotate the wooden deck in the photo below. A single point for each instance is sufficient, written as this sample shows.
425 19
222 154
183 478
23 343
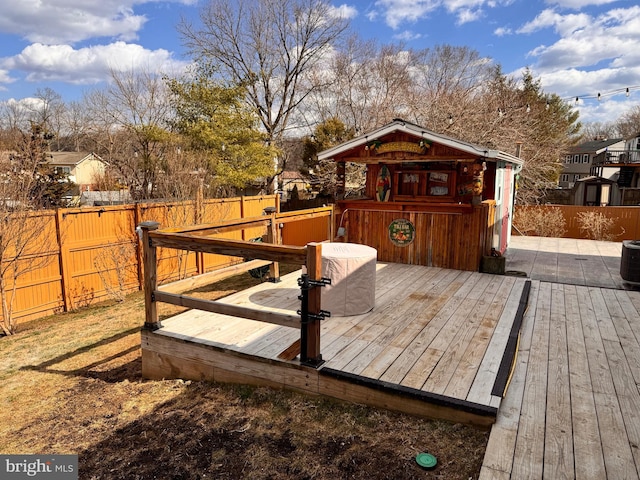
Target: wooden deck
567 260
573 407
433 345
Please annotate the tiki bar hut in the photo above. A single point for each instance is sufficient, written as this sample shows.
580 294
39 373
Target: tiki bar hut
429 199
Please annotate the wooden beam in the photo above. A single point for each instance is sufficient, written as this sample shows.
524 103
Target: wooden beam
311 335
236 248
221 227
150 276
282 319
210 277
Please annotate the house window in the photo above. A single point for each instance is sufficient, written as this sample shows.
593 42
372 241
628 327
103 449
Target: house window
576 177
63 170
564 177
567 159
585 158
576 159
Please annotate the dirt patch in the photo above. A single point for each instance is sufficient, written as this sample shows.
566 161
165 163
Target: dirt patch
71 384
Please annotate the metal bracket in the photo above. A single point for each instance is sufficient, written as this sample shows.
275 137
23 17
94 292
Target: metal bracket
321 315
306 284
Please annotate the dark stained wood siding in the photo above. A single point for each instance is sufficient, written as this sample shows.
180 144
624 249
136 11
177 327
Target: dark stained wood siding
447 239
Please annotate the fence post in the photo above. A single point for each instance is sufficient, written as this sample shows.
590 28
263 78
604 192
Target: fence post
63 263
150 276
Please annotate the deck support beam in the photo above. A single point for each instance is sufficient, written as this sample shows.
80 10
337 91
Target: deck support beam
149 257
311 308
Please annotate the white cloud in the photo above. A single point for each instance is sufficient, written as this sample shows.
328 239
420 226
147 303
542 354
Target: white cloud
70 21
502 31
344 11
407 36
611 37
467 15
578 4
399 12
87 65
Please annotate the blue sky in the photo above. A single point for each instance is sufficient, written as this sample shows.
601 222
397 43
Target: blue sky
576 47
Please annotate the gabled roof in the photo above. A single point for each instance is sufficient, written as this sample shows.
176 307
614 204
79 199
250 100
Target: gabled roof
595 146
399 125
70 158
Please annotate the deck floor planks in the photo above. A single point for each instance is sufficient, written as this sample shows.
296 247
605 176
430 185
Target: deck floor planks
467 368
499 456
589 459
414 312
490 364
415 339
615 446
402 305
452 341
558 453
529 449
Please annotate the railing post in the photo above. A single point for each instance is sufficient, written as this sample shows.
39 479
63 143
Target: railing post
273 236
150 276
311 312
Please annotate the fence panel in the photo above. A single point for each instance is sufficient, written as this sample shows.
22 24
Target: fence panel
99 258
38 289
626 225
83 255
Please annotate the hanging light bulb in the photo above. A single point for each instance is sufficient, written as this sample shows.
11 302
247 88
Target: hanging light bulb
627 92
450 119
546 107
528 108
500 113
599 96
577 100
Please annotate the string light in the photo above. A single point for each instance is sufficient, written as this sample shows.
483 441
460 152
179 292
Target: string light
601 95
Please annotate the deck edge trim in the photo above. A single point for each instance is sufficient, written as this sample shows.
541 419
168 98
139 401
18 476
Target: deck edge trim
407 392
510 351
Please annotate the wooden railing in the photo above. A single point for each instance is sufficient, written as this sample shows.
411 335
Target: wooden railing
617 157
270 252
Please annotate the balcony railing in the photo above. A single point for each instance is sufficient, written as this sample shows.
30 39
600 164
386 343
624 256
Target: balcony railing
617 157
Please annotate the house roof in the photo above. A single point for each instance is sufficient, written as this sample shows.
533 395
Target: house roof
595 146
399 125
70 158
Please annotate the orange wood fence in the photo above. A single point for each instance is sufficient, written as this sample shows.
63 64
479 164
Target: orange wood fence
76 257
626 225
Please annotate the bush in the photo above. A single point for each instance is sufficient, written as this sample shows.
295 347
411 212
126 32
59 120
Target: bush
597 226
540 221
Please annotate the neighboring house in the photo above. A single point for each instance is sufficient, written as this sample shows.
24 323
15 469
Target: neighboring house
83 168
578 164
291 179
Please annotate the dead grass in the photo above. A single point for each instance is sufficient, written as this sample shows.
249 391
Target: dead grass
71 384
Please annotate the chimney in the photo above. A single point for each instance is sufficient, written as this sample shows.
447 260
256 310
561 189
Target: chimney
518 149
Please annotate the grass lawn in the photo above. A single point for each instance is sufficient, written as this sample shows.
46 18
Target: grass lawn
71 383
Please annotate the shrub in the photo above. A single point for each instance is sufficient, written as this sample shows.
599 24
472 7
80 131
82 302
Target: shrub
540 221
597 226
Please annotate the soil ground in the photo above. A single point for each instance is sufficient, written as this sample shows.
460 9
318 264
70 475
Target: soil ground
71 383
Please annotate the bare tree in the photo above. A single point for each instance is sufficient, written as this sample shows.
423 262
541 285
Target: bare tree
629 124
599 130
24 233
130 128
271 46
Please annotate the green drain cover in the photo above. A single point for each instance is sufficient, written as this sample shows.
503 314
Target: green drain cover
426 460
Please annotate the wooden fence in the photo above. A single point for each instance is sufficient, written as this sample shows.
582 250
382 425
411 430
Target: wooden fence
626 226
75 257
